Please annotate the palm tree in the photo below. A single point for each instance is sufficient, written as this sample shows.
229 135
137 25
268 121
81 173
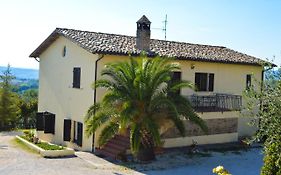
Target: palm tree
140 94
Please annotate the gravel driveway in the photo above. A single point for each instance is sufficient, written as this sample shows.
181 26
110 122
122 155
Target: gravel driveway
14 161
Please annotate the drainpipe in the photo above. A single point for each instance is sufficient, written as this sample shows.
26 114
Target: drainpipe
96 77
95 92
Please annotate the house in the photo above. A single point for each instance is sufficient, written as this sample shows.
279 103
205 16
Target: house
71 60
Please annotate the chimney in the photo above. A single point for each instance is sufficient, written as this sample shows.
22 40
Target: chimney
143 34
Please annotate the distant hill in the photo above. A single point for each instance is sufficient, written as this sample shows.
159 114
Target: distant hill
22 73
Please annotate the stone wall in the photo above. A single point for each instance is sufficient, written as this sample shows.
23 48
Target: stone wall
215 126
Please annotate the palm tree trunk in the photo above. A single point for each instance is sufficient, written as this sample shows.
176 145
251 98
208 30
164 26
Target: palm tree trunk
146 151
146 154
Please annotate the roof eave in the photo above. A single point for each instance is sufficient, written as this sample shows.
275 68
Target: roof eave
183 58
218 61
45 44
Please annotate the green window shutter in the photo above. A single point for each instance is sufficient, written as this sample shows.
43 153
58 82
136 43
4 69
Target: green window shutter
211 82
39 121
49 123
79 133
74 131
76 77
197 81
176 77
67 130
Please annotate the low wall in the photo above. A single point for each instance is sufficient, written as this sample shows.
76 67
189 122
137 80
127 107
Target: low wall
47 153
200 140
220 130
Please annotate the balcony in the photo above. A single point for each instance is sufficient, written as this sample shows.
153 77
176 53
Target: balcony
216 102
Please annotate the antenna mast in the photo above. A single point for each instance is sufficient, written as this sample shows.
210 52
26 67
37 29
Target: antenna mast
165 27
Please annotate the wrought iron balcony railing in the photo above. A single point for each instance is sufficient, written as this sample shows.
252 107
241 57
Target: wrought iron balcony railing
216 102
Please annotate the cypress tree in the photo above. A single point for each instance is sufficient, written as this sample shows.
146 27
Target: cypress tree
8 101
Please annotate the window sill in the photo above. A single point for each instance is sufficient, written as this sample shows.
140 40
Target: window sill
204 91
81 88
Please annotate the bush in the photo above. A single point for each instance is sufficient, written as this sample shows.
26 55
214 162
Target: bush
272 158
47 146
265 108
28 135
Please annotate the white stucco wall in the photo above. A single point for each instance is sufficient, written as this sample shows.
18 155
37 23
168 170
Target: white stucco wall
56 94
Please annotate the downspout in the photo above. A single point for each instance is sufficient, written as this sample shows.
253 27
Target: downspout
96 77
37 60
95 94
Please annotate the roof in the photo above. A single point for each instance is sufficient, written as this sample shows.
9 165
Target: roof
144 19
113 44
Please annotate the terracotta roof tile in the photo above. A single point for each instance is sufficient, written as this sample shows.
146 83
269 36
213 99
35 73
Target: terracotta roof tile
123 45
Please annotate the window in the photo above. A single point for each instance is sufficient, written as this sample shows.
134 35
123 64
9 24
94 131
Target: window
204 81
40 121
248 81
76 77
74 131
78 133
64 51
49 123
67 130
175 78
45 121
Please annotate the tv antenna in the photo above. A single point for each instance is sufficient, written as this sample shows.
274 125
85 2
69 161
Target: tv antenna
164 28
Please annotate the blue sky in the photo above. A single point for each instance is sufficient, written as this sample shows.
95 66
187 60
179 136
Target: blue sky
248 26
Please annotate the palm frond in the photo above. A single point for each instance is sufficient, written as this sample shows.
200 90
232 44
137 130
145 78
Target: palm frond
99 118
175 86
135 137
152 127
108 132
138 91
186 110
92 109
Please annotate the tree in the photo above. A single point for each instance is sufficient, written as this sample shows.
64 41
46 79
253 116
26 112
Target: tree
140 94
28 108
8 101
265 107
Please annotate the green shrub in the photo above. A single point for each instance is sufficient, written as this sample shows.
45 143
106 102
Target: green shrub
28 135
265 108
272 158
47 146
